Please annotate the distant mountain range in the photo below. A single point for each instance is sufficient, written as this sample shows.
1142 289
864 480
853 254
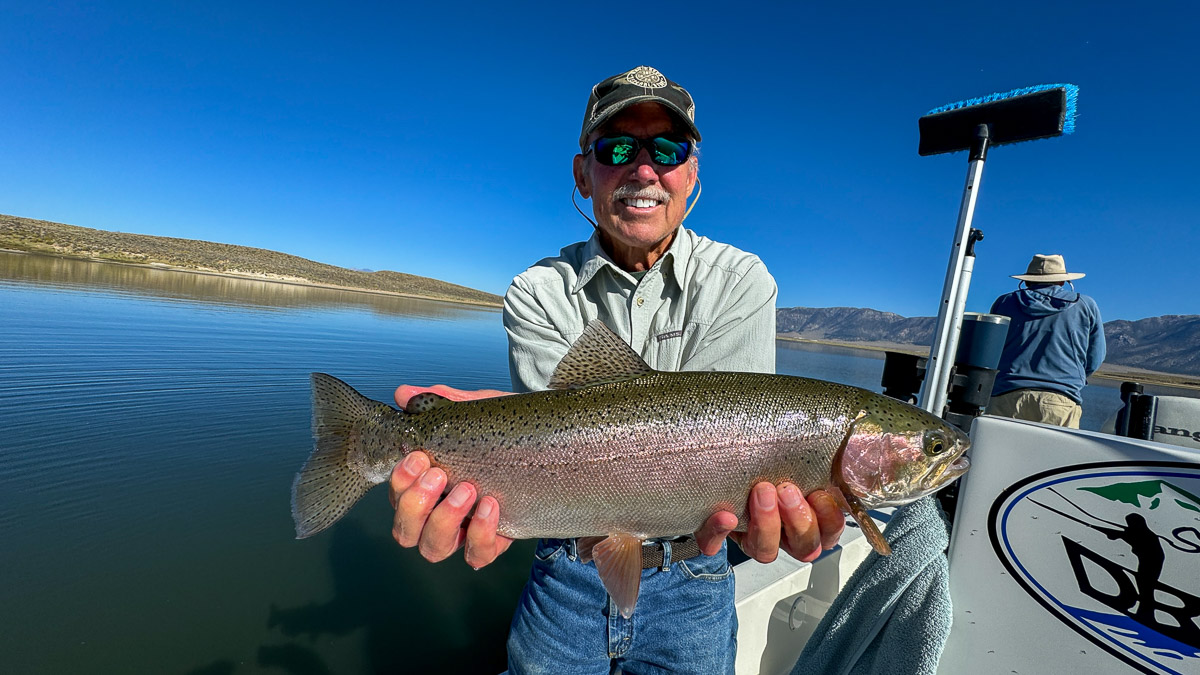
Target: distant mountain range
1169 344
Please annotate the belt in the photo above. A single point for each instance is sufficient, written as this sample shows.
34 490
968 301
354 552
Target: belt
1042 390
681 549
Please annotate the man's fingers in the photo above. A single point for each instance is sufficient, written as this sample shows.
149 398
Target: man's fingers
830 519
761 540
406 391
415 504
405 474
483 545
713 532
802 538
465 394
443 532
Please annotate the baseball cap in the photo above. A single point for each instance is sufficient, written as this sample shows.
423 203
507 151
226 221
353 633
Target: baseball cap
639 85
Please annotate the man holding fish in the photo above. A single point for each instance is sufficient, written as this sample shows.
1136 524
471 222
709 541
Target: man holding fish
684 303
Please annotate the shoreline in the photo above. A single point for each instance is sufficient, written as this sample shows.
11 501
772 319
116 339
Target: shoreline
1107 372
256 277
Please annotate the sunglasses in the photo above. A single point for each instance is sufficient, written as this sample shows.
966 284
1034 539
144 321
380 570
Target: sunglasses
620 150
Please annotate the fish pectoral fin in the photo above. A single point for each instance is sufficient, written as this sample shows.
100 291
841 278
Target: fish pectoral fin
424 402
619 561
599 356
866 523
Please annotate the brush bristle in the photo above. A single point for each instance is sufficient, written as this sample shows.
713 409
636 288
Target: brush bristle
1072 93
1025 114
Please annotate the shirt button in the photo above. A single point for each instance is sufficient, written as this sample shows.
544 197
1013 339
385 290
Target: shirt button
640 301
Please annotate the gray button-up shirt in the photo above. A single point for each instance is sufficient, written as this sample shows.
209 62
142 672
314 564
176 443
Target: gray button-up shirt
702 306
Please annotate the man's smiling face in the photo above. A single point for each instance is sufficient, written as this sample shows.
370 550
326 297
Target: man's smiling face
637 205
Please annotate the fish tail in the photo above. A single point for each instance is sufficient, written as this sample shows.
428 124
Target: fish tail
328 486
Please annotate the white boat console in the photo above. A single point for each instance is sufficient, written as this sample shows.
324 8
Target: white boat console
1074 551
1071 551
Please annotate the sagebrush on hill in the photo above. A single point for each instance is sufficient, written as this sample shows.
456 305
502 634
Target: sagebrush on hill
40 236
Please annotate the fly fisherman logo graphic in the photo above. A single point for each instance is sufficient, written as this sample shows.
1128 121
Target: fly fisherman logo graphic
1113 550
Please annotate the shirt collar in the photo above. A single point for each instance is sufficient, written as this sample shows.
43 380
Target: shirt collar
595 259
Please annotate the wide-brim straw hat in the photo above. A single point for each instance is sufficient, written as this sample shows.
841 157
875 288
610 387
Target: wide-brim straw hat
1048 269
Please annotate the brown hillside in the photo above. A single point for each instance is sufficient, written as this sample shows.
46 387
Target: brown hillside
40 236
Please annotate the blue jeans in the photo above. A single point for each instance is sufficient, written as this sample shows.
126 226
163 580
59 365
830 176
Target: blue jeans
684 621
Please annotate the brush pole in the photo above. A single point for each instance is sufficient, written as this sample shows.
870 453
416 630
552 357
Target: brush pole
949 320
960 305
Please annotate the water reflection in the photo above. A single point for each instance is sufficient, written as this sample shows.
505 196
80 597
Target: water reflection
449 606
70 274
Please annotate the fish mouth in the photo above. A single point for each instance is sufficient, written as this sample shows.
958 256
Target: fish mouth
946 473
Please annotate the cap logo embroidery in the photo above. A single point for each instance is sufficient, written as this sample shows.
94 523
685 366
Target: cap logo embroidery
645 76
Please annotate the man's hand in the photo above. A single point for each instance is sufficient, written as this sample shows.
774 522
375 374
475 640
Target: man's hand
407 391
778 518
437 528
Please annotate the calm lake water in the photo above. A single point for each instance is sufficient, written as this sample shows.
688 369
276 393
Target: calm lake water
152 422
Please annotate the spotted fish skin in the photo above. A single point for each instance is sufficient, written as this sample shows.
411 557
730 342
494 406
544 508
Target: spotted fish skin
621 448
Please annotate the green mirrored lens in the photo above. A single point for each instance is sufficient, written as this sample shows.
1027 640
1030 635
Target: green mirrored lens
668 152
617 150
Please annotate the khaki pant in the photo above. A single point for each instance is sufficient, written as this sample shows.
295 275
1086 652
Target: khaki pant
1035 405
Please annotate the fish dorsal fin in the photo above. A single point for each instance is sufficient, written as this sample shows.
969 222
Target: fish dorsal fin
619 562
424 402
597 357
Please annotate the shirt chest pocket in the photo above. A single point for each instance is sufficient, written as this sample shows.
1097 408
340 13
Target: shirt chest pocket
671 344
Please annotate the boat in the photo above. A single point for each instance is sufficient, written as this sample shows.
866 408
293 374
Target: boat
1070 551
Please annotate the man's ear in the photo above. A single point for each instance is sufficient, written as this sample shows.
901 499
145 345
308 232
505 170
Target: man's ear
582 182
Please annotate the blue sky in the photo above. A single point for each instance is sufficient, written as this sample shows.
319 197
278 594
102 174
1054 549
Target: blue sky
438 140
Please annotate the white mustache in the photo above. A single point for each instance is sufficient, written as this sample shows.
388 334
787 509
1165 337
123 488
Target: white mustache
641 192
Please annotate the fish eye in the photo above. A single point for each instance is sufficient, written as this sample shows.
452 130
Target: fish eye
934 445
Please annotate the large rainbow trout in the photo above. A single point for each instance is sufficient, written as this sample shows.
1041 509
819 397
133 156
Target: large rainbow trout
619 451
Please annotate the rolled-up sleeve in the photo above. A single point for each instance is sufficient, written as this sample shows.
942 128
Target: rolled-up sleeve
535 346
741 336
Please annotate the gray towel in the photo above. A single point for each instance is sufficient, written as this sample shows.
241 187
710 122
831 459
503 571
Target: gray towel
894 614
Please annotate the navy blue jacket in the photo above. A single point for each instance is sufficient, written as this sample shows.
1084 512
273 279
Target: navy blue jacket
1055 340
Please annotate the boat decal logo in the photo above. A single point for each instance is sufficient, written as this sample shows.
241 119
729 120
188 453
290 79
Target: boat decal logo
1172 431
1111 549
